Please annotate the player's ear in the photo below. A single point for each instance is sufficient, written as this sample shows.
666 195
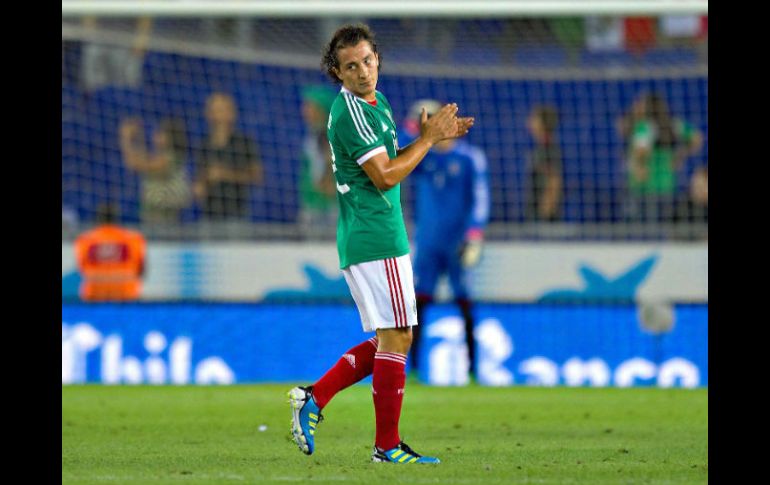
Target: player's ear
337 73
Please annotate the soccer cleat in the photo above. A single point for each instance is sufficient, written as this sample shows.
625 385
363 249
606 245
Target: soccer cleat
305 416
401 454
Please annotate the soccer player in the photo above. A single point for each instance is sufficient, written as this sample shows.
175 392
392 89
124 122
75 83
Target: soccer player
451 213
371 240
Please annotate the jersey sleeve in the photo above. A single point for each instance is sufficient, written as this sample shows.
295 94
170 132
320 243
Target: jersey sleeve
358 132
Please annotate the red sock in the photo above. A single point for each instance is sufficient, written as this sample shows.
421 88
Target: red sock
388 380
354 365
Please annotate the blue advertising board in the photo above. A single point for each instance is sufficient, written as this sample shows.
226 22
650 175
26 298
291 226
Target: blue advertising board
518 344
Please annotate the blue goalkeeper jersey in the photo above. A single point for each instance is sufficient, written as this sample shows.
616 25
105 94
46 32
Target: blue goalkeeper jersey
451 192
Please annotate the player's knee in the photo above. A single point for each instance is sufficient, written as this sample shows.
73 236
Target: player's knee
398 340
404 339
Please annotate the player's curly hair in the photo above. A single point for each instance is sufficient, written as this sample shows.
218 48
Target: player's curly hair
346 36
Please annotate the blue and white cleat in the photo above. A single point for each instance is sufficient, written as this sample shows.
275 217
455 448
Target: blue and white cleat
401 454
305 416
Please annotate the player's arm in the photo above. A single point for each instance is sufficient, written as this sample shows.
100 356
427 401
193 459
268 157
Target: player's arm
386 173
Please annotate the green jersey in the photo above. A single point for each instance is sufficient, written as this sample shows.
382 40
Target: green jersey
370 224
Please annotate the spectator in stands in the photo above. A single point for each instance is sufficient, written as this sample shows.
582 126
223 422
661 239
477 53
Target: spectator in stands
317 189
228 164
638 112
110 259
165 188
451 213
545 185
114 64
658 146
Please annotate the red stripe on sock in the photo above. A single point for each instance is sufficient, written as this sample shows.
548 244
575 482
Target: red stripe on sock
393 355
390 286
392 359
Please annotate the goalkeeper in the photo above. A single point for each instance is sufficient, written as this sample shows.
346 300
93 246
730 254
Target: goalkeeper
451 212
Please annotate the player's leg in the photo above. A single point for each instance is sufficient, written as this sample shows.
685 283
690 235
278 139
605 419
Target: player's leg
388 383
458 279
394 333
307 402
354 365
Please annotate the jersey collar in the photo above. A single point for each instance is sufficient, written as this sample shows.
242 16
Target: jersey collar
346 90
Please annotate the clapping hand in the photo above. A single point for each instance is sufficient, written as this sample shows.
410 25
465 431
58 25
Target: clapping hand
444 124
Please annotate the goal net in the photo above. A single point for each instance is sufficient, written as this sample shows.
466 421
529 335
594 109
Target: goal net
202 124
147 97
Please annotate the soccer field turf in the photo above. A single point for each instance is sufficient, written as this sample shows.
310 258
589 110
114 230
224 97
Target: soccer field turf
522 435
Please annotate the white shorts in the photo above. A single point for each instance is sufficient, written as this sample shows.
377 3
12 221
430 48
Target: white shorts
384 292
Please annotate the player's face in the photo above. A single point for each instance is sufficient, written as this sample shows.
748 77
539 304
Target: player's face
358 69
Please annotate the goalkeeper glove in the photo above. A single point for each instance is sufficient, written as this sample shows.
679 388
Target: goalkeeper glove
470 250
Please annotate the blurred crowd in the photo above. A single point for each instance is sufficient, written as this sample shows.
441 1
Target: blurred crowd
217 174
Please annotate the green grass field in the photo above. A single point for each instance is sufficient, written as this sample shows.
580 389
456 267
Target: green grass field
521 435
